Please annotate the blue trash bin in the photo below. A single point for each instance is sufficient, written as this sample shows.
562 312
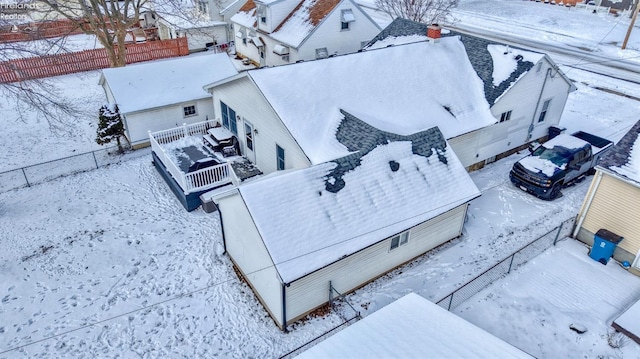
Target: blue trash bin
604 244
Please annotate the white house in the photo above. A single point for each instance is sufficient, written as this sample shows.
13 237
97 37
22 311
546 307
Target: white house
413 327
205 26
276 32
613 199
525 90
378 202
402 89
158 95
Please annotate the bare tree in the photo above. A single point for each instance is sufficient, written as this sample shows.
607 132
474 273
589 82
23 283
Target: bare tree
424 11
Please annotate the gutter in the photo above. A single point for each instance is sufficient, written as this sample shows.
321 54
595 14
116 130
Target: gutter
224 240
284 307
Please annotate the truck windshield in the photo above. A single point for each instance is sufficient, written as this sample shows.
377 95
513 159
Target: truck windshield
558 155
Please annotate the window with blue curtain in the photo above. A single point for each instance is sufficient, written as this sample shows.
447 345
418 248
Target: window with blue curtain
229 118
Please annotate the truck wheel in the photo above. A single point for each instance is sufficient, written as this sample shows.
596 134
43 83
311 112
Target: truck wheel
555 191
591 171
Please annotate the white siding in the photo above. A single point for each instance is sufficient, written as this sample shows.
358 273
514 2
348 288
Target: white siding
522 99
616 207
329 34
139 123
276 13
198 38
312 291
108 93
243 97
246 249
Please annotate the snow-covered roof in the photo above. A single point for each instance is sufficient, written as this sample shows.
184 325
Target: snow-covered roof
246 15
624 157
160 83
302 21
413 327
312 217
401 89
498 65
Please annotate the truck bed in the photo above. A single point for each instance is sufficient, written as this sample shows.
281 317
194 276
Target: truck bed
598 142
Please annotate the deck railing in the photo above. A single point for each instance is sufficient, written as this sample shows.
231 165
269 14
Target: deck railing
209 177
195 181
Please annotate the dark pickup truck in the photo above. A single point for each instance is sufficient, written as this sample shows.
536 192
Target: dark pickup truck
558 162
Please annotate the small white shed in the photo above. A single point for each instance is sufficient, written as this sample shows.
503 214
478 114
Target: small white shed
158 95
346 221
413 327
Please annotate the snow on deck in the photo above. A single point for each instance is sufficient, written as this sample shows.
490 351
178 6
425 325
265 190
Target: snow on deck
408 81
316 227
413 327
159 83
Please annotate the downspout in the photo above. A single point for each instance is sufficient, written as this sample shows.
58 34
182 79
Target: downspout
224 240
587 204
533 119
284 307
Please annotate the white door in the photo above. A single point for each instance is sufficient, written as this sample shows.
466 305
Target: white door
249 142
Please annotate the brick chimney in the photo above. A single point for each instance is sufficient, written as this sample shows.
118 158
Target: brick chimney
433 32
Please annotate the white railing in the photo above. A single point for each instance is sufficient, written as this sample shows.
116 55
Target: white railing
175 172
174 134
593 8
209 177
195 181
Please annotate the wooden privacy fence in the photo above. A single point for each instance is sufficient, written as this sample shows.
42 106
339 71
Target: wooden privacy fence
38 30
54 65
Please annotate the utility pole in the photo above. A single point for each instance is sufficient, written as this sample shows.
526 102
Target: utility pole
633 21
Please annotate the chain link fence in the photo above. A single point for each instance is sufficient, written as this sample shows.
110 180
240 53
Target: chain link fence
47 171
505 266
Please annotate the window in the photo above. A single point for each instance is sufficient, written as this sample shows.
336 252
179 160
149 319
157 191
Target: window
263 19
322 53
229 118
539 67
279 158
543 112
399 240
285 58
244 41
203 7
248 136
189 110
506 116
346 18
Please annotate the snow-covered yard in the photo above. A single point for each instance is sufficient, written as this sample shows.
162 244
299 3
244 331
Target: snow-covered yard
107 263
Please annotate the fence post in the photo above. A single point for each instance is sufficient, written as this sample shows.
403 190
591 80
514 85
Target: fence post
558 234
511 262
184 129
94 158
25 177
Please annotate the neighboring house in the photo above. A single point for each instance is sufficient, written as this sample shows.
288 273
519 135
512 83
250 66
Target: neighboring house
619 5
525 90
381 201
613 200
413 327
277 32
157 95
207 27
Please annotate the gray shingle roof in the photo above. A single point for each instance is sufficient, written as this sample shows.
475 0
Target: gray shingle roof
477 52
620 154
361 138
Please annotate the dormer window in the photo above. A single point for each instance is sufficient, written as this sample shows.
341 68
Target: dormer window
262 14
346 19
